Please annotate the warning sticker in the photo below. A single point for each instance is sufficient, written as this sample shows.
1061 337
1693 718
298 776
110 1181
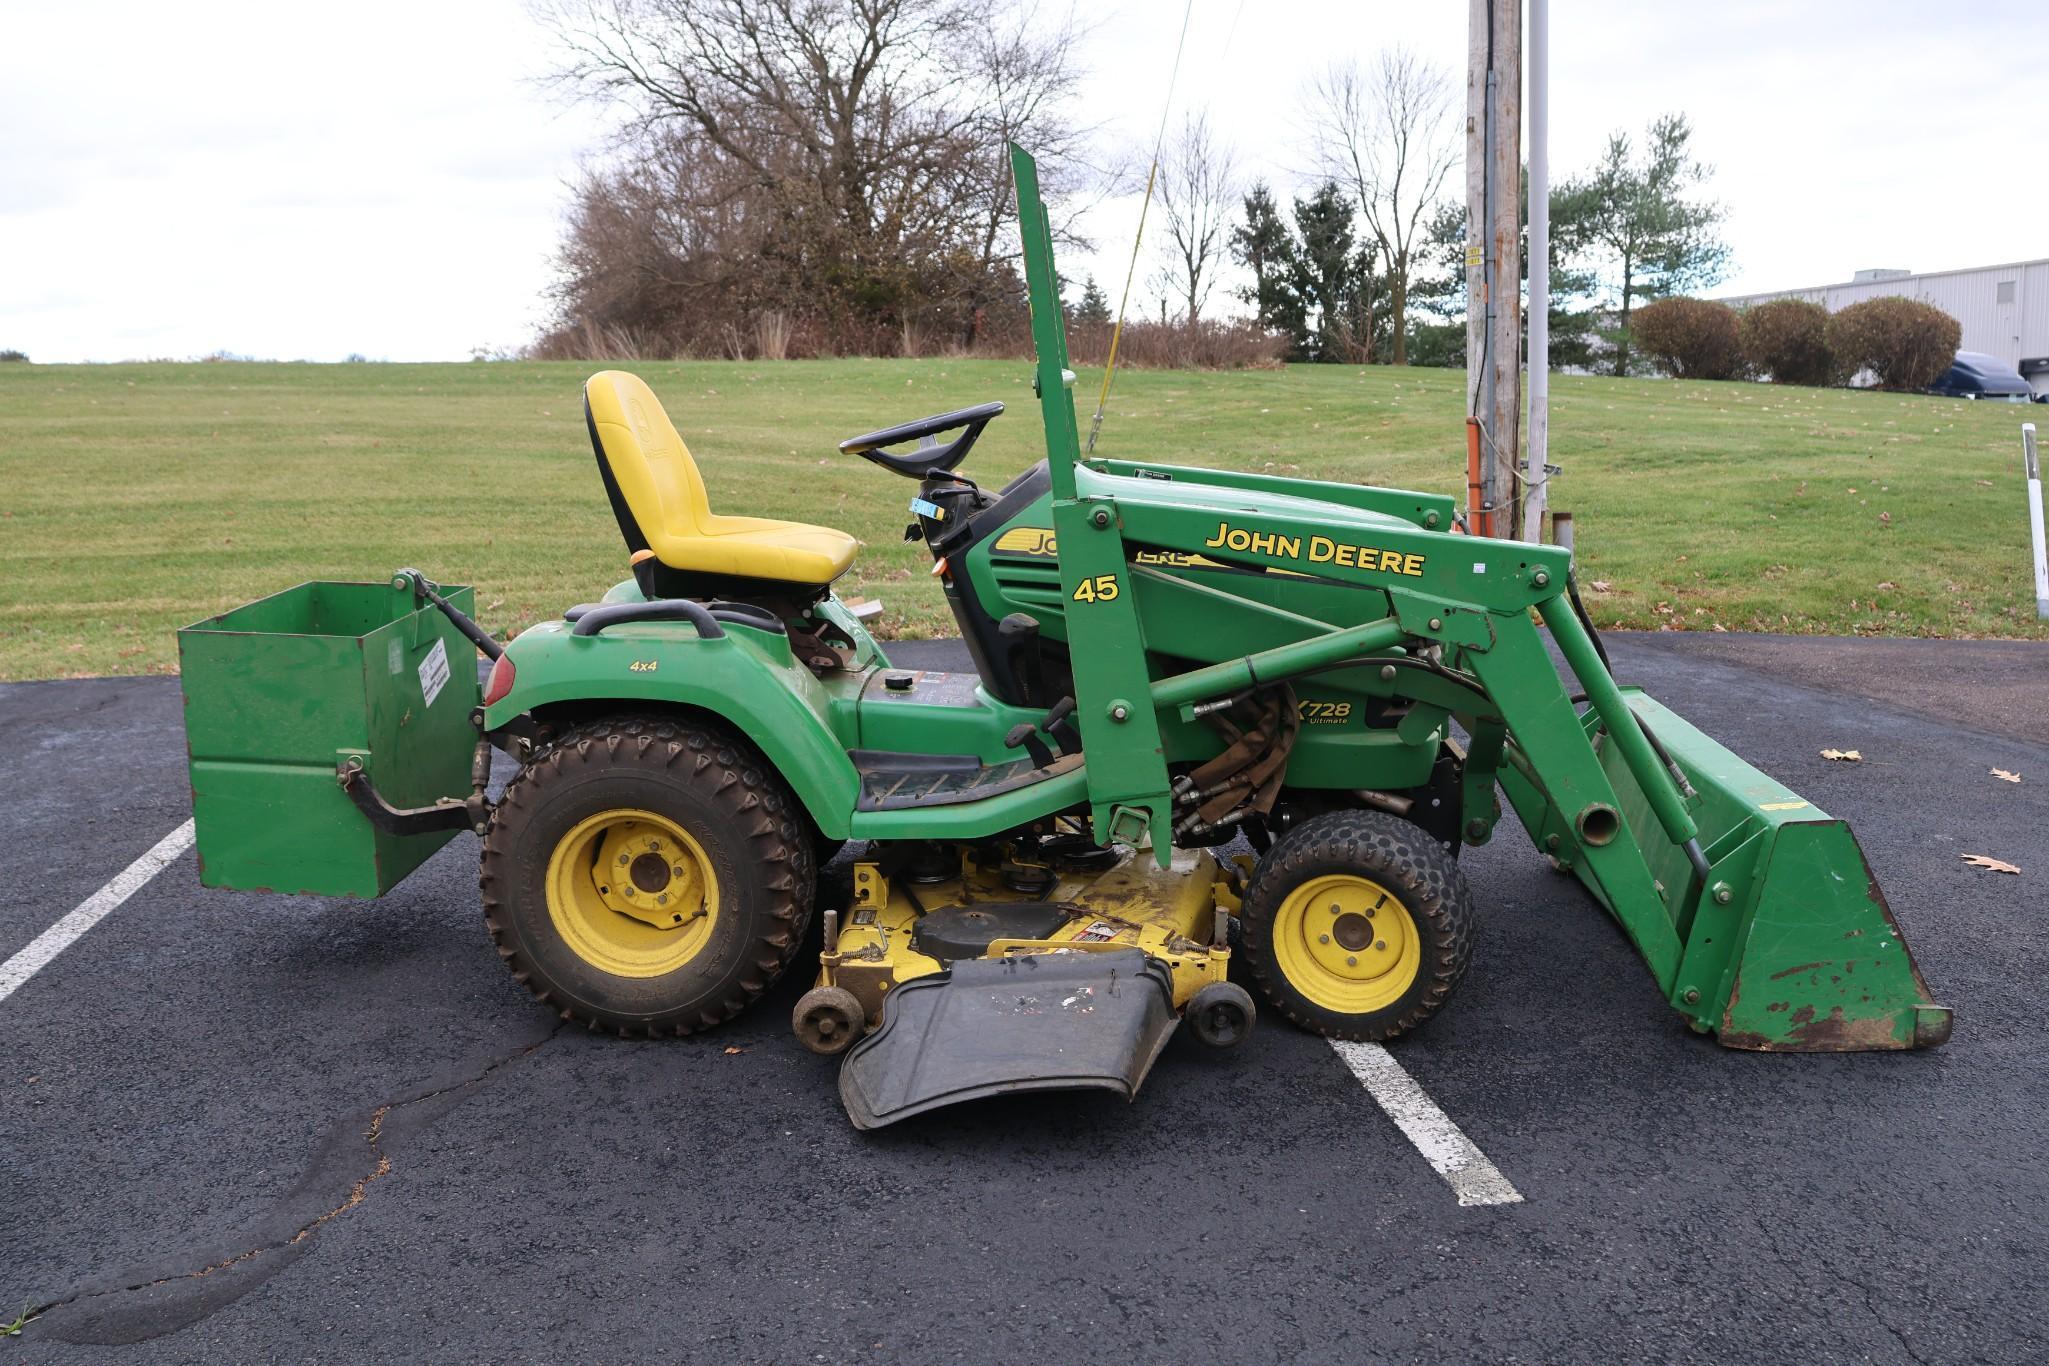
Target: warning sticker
864 917
1098 932
434 672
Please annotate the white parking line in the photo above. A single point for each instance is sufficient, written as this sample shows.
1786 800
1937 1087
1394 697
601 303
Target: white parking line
1443 1144
92 911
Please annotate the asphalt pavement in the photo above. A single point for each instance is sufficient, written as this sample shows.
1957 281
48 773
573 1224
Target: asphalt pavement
240 1127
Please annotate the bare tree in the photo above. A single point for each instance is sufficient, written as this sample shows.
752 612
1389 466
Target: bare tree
865 140
1391 133
1196 189
1033 76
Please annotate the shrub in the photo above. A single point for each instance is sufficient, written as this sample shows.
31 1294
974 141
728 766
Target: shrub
12 355
1439 344
1178 345
1787 339
1689 338
1905 342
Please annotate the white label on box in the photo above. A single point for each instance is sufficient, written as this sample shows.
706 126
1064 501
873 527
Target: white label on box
434 672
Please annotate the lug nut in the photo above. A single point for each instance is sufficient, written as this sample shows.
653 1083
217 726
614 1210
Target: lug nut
1323 939
1351 962
1380 943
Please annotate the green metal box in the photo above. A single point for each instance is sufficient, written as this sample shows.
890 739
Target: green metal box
281 692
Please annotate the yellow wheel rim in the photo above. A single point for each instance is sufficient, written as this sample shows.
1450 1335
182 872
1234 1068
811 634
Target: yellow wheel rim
632 893
1347 944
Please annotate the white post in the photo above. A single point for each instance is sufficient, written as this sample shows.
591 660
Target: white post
2033 468
1540 270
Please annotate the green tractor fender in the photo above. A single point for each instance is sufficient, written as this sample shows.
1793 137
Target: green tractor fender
744 677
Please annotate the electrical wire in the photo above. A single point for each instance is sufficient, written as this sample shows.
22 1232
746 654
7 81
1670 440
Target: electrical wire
1131 271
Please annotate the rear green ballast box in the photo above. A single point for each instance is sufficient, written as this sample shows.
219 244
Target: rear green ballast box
280 693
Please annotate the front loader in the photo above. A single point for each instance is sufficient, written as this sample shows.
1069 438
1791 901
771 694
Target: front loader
1224 731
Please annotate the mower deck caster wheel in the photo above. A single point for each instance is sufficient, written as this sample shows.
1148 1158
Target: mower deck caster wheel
1221 1014
828 1020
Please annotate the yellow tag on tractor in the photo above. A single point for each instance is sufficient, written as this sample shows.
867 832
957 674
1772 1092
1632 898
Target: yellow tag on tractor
1171 663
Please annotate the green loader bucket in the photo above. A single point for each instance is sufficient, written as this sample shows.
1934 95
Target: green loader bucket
279 694
1791 946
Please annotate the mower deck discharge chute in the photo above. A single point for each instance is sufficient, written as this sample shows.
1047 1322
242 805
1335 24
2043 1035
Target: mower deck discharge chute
1167 658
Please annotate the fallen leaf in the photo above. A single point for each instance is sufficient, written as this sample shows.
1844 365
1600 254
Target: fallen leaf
1845 755
1601 585
2003 774
1995 865
731 1051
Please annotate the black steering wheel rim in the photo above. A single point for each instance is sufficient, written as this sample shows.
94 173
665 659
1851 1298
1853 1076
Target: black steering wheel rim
931 458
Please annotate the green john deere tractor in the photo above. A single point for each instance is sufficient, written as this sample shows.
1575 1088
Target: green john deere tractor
1167 659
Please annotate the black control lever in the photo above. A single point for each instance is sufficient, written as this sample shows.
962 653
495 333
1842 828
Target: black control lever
1025 735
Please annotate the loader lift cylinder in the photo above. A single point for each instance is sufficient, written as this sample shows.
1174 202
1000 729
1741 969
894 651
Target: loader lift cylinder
1644 765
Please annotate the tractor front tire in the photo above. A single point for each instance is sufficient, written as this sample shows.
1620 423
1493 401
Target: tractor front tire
1357 925
647 876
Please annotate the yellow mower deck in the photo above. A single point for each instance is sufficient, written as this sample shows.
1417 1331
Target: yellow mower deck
1171 913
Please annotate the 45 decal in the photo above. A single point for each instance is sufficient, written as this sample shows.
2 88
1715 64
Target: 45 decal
1101 588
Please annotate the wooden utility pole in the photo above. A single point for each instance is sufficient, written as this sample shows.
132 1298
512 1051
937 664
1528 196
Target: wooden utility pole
1494 256
1536 476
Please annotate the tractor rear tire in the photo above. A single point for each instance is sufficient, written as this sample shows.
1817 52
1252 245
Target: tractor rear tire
1357 925
647 876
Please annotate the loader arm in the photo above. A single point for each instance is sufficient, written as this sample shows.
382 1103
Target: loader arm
1756 914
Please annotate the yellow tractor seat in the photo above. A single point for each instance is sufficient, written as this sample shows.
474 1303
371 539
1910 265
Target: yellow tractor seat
680 547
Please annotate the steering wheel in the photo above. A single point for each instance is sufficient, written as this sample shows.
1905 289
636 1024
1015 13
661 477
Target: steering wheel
930 457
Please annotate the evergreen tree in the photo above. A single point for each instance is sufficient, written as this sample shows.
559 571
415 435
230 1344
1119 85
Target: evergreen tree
1330 279
1094 308
1634 224
1263 245
1438 290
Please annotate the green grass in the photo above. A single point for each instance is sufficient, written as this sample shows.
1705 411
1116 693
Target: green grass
137 498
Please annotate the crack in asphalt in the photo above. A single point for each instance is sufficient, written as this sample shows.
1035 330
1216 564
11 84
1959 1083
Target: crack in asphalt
1864 1291
373 1136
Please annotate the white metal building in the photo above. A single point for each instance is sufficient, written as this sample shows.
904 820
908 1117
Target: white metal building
2004 309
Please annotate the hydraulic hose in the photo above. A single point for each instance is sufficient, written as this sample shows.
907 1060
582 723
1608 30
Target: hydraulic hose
1580 610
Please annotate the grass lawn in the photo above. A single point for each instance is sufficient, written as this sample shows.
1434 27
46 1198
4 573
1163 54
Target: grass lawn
137 498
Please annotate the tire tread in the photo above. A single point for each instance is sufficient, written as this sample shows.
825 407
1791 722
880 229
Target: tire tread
778 836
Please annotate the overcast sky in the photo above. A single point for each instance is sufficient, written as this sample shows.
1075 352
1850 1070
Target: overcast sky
388 179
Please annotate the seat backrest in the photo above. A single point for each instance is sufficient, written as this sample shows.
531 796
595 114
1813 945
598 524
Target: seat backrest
653 484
